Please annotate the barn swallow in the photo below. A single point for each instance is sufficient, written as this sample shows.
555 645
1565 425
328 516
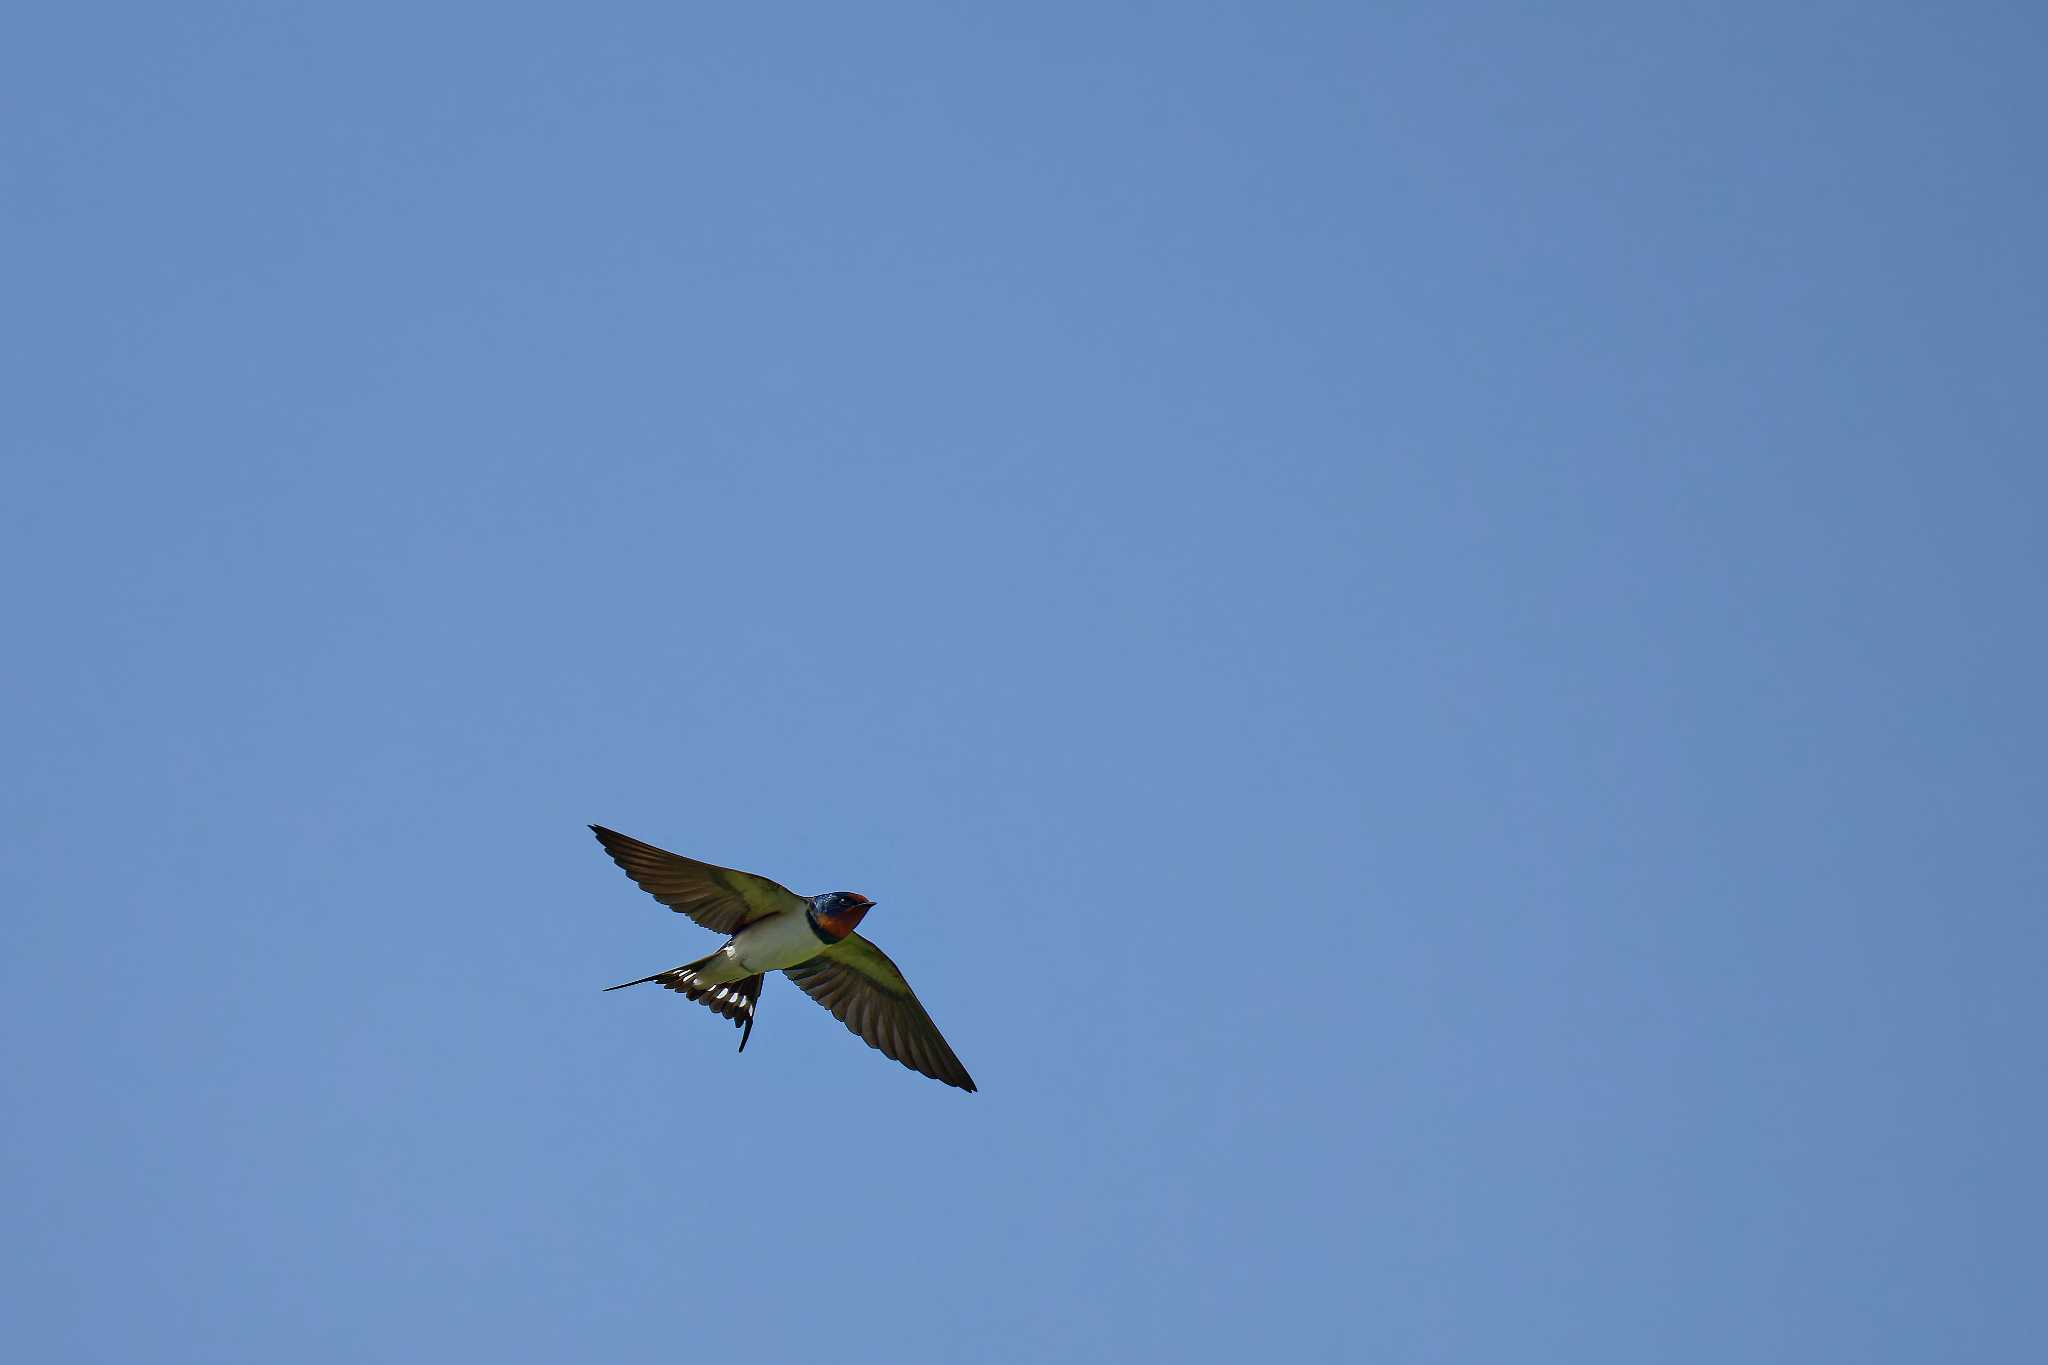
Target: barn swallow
809 938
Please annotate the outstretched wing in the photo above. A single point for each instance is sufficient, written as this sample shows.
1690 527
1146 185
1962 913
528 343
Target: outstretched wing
718 898
861 986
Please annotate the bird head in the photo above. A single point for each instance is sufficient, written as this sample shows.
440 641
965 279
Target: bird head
838 911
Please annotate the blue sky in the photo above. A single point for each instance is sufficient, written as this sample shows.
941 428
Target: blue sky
1425 622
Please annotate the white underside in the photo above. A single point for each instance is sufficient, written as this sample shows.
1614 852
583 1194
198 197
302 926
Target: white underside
763 946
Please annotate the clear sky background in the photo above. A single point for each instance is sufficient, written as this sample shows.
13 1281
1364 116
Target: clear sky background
1426 622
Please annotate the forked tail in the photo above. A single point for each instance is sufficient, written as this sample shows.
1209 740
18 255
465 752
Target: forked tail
735 1000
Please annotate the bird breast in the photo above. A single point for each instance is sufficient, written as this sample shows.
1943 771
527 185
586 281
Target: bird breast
775 942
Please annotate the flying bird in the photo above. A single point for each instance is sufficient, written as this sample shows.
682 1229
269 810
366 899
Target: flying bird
810 939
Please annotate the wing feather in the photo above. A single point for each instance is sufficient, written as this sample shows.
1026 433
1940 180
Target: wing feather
718 898
860 985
